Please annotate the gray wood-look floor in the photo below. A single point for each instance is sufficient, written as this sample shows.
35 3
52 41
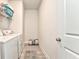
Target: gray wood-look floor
33 52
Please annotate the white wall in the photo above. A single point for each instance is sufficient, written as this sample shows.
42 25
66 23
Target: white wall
17 20
31 24
1 1
48 28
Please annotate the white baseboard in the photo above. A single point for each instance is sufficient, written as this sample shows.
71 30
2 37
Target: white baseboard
44 52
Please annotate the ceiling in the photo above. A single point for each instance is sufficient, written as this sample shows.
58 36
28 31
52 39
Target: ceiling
31 4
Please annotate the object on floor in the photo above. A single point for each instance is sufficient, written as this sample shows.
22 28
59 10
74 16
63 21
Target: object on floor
30 42
36 42
33 42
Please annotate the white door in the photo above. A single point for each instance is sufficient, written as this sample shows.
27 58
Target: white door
68 23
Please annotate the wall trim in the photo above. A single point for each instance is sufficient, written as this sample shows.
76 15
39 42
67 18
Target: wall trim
44 52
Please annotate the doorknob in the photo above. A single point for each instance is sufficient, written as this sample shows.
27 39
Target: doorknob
58 39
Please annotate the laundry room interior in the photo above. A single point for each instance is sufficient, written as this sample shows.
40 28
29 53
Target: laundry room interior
39 29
